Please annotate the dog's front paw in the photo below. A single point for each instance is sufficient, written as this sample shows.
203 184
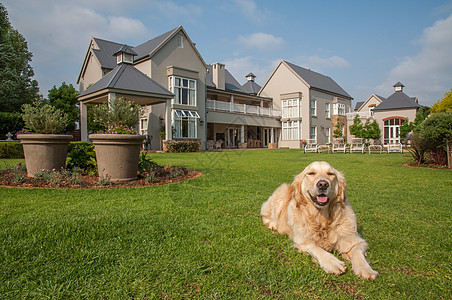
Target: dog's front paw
333 265
366 273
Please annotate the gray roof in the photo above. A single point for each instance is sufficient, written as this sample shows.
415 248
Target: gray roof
148 47
127 77
106 51
251 87
319 81
358 105
230 83
126 49
397 100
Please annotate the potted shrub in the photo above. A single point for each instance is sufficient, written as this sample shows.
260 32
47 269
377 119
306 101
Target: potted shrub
45 146
118 145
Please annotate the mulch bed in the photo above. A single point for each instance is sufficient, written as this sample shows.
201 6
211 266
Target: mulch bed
8 178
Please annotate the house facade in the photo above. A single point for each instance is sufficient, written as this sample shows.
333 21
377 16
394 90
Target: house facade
388 112
311 104
186 99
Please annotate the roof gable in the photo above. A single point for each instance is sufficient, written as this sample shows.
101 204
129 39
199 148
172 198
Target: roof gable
318 81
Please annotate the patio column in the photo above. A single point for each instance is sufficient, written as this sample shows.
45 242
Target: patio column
168 125
242 134
272 135
83 122
231 104
111 97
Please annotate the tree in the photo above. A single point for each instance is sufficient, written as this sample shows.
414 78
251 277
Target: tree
16 84
444 104
371 130
436 129
65 99
337 133
357 127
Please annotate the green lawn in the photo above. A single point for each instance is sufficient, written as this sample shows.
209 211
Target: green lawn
203 238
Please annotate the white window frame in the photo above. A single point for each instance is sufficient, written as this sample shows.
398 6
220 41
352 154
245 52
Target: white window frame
291 108
328 135
313 133
179 85
180 41
188 118
143 126
313 107
291 130
328 110
339 109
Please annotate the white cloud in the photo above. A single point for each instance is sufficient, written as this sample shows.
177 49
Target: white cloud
427 75
239 67
261 41
250 9
320 64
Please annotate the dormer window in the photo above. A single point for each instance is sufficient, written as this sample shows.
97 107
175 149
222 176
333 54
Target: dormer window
125 55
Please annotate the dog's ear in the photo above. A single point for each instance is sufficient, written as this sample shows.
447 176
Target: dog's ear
341 187
297 189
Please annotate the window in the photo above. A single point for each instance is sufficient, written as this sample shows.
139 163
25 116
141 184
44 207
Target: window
328 135
313 134
313 107
327 110
392 130
180 41
291 130
184 90
185 123
144 126
339 109
291 108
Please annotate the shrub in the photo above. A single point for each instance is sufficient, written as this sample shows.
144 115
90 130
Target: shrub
10 122
43 118
182 146
11 150
81 155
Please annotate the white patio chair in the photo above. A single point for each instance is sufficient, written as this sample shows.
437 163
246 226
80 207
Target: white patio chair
397 147
311 146
375 147
339 145
357 145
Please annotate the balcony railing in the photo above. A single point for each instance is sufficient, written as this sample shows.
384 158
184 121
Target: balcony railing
242 108
362 115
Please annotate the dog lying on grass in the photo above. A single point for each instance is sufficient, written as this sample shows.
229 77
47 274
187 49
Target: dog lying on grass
315 213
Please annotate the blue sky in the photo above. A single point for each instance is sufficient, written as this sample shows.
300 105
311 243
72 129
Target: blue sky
365 46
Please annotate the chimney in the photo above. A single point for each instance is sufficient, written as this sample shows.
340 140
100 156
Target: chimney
218 72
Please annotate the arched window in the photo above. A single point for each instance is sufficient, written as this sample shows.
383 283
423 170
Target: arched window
392 130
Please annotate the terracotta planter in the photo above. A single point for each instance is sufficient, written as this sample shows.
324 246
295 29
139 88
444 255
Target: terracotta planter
117 155
44 151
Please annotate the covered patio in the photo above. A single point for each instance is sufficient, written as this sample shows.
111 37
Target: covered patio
128 83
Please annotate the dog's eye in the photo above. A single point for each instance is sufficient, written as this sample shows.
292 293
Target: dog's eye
311 173
330 174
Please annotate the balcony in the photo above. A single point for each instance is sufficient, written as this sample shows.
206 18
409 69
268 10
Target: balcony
242 108
362 115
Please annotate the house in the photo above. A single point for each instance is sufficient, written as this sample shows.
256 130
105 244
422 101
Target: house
311 104
388 112
187 99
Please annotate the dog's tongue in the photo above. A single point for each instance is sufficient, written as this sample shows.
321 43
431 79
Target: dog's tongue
322 199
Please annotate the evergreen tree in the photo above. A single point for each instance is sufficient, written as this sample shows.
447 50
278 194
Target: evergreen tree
16 84
65 99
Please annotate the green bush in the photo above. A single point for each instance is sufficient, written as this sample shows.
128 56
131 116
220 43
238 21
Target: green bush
10 122
44 118
81 155
11 150
182 146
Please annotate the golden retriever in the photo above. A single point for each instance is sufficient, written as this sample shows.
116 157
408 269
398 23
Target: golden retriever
315 213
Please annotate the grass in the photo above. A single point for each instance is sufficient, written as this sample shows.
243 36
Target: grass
203 238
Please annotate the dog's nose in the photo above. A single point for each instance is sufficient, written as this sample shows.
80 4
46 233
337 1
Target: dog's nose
322 184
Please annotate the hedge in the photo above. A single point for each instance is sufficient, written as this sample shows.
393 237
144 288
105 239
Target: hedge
11 150
182 146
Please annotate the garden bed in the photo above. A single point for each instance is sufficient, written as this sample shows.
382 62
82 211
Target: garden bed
17 177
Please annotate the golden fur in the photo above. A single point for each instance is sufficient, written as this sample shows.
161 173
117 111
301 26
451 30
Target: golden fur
315 213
